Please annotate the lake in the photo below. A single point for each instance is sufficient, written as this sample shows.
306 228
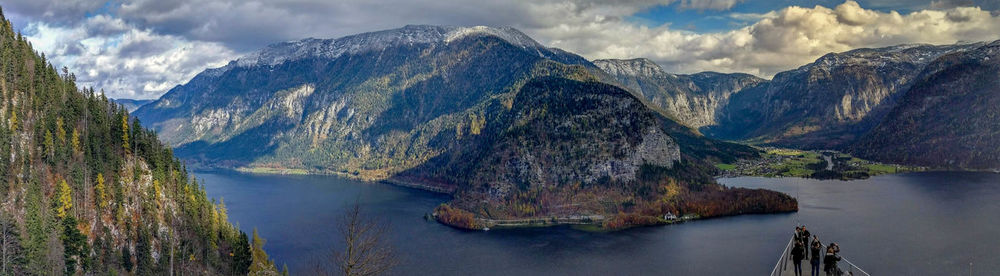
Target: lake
932 223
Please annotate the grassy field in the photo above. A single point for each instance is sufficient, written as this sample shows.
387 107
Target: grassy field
260 170
725 167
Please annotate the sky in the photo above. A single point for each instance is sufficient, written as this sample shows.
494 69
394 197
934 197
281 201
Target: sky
140 49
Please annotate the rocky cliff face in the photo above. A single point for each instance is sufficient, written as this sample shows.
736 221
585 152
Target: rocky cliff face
949 117
830 102
570 148
561 132
691 99
369 104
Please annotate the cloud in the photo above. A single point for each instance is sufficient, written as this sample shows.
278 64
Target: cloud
124 61
141 48
781 40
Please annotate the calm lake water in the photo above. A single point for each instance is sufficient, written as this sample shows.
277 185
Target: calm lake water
908 224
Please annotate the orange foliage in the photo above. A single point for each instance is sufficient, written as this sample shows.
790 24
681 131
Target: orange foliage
623 220
456 217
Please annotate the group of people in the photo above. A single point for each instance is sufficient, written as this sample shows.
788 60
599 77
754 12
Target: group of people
805 248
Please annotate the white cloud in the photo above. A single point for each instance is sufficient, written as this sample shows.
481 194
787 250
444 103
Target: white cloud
125 61
781 40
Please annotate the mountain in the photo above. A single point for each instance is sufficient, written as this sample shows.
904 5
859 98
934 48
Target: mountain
130 104
948 118
486 114
85 189
369 104
692 99
829 103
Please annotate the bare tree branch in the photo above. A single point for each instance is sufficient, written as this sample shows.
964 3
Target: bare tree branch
366 251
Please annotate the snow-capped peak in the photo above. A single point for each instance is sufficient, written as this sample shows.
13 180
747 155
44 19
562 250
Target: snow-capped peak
409 35
630 67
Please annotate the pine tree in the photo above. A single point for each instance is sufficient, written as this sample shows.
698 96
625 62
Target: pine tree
75 247
242 256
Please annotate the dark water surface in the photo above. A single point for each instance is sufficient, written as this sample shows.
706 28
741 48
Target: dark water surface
909 224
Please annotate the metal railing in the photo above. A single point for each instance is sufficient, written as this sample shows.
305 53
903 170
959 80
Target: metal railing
851 268
782 265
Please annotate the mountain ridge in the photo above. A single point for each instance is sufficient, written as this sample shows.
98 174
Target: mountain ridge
693 99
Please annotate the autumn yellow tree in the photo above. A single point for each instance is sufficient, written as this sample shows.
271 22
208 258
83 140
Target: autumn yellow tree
60 131
75 141
65 199
125 133
262 264
49 144
99 189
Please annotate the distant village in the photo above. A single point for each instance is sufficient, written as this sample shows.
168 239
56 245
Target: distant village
825 164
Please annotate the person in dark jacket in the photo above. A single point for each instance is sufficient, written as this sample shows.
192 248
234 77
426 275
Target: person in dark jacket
814 252
798 253
805 239
830 262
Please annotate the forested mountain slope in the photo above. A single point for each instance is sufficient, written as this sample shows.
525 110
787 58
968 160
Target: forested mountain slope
950 117
86 190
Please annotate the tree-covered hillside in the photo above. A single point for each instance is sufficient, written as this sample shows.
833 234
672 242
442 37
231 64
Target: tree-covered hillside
949 118
85 189
569 148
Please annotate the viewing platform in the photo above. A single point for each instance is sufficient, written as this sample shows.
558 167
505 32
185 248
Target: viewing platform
785 266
